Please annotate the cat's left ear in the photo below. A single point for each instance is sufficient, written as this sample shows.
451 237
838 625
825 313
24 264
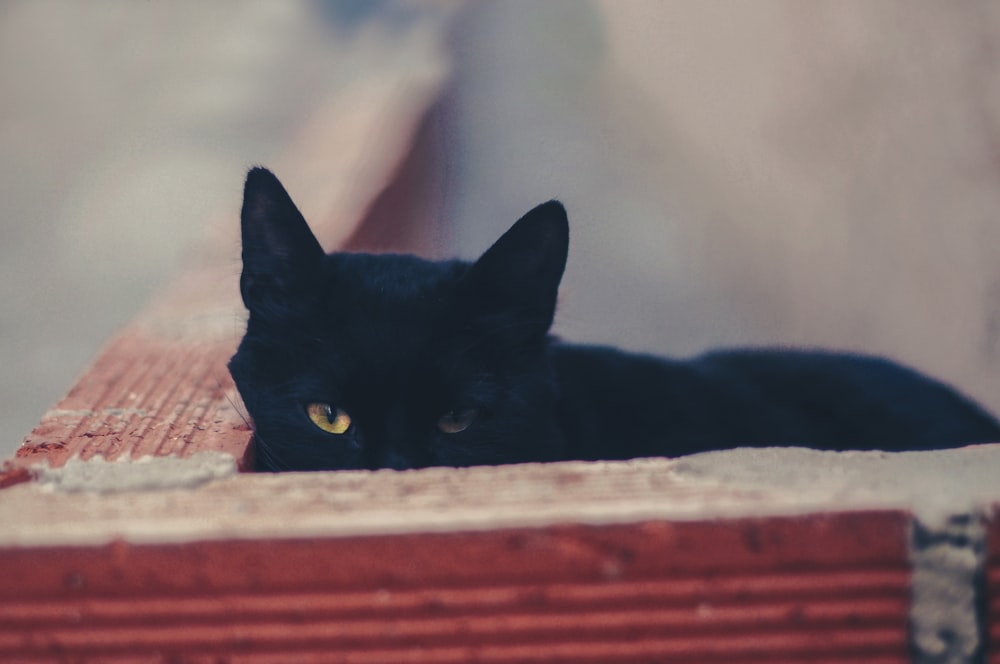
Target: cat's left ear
280 253
516 282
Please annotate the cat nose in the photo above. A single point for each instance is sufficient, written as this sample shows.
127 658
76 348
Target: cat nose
394 458
390 443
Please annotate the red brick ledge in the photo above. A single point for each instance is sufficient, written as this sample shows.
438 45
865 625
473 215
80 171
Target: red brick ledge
652 560
726 591
321 567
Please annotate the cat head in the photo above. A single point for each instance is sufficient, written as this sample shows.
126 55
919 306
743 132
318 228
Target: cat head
355 360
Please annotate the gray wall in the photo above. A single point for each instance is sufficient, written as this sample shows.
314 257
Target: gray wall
749 173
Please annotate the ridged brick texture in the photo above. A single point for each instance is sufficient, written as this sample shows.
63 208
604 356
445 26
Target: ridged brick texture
159 388
816 589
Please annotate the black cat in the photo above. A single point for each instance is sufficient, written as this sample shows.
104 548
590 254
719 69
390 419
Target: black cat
391 361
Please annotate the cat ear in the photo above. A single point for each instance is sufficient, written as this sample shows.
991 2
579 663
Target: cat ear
515 283
280 253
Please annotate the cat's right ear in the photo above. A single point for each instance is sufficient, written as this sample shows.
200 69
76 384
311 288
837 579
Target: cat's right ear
514 285
280 253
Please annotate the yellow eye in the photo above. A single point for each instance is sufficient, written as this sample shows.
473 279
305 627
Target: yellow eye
456 421
328 418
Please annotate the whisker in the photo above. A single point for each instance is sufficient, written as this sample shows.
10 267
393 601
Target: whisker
245 416
264 453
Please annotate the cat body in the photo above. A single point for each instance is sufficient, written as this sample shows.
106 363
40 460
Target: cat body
759 398
392 361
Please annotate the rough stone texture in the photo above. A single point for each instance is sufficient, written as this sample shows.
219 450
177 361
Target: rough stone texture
935 485
147 473
357 503
947 591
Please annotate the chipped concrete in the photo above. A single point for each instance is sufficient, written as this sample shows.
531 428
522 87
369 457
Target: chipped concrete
146 474
947 621
355 503
934 485
732 484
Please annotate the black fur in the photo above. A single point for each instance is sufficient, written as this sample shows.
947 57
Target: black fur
397 341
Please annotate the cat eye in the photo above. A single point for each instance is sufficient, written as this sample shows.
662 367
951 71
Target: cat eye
328 418
457 421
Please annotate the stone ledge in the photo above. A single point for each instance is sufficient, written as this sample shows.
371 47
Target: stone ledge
159 502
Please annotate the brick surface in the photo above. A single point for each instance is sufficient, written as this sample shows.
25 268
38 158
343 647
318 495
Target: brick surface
832 588
159 388
575 562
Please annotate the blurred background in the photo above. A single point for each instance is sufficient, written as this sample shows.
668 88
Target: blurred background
776 172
